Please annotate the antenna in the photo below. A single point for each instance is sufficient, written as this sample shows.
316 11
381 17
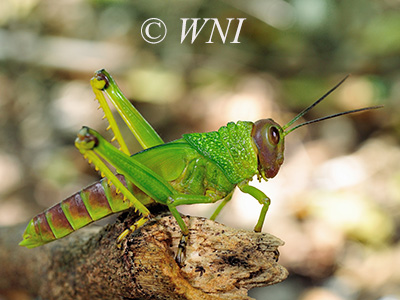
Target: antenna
332 116
307 109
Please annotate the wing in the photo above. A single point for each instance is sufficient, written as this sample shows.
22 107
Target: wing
168 160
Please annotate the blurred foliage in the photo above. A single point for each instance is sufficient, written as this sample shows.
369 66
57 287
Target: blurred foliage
336 201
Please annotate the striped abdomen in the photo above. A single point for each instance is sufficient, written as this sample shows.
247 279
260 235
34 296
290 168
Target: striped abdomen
90 204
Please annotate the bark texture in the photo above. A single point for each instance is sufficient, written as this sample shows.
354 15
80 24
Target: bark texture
221 262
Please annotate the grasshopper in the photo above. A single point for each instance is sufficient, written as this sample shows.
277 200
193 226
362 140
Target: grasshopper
197 168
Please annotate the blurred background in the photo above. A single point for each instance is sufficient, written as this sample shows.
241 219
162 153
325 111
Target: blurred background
336 199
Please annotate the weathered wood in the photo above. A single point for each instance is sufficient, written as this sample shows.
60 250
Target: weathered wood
221 262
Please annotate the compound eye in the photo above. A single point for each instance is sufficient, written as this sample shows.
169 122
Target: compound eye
274 135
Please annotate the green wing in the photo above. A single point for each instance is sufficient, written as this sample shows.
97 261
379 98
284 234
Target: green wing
186 169
168 160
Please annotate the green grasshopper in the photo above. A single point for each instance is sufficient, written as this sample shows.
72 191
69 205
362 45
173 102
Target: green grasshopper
197 168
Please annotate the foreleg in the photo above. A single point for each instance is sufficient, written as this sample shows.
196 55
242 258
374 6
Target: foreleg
261 198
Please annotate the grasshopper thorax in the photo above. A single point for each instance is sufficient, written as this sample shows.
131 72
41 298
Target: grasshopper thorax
268 137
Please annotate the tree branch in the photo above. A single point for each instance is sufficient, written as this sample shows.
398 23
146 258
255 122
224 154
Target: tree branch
221 262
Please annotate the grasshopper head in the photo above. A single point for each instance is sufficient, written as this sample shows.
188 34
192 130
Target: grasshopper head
268 137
